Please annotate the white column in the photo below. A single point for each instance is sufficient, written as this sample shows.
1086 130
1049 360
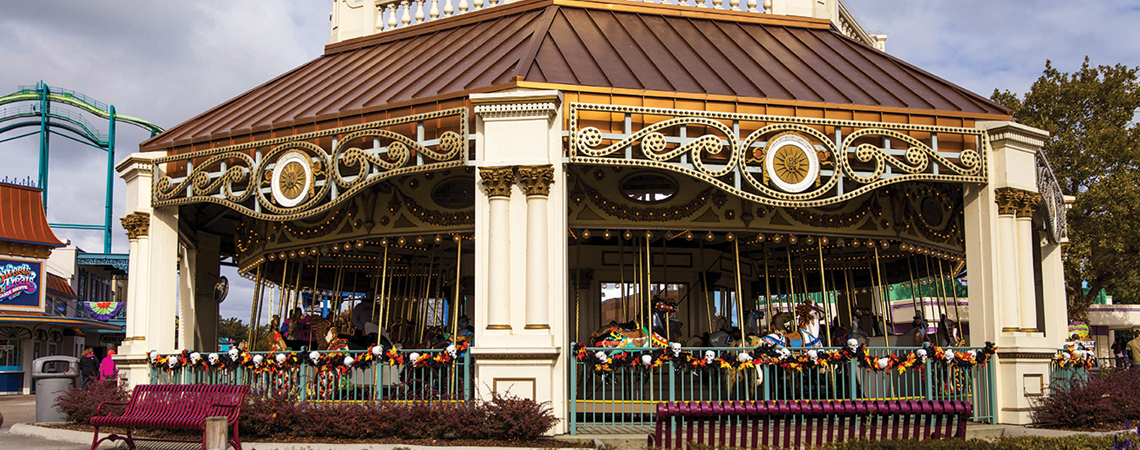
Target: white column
497 182
153 267
536 181
1008 266
187 318
1026 265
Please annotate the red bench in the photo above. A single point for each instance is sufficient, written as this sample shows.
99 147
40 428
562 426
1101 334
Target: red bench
179 407
760 424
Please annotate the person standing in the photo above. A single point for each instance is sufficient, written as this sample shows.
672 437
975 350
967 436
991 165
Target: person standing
88 367
1134 351
107 369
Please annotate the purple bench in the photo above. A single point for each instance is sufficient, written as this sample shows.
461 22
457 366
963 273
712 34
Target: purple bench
172 406
787 423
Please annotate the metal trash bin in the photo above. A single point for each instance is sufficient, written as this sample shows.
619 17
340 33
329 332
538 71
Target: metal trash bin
53 377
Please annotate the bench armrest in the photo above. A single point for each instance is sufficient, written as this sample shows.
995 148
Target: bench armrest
100 407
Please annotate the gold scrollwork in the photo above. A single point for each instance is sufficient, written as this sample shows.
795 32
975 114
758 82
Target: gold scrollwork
918 161
231 176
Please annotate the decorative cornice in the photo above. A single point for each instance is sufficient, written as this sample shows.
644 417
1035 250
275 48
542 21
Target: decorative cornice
517 356
497 180
517 104
137 224
536 180
1025 355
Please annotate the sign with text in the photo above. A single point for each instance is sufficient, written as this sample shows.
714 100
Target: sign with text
20 283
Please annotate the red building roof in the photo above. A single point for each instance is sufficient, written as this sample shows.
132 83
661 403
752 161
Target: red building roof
22 217
60 285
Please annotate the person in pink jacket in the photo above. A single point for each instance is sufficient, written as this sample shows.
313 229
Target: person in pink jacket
107 369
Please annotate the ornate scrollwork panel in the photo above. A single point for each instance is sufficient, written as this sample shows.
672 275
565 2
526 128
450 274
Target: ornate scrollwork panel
1056 224
296 177
785 161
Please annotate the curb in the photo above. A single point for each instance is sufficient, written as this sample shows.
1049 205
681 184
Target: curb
83 437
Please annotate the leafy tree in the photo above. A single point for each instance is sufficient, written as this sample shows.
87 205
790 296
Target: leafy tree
233 329
1094 147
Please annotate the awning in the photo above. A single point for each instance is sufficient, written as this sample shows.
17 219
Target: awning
22 217
85 324
59 285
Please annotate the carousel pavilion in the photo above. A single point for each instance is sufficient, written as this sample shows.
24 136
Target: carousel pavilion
536 170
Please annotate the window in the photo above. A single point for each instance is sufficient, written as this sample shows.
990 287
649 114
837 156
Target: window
10 353
648 188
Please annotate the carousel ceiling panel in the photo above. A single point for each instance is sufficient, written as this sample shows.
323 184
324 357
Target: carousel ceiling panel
598 44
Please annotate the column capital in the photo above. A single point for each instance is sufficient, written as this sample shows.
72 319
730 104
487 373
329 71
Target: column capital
497 180
536 180
1030 201
137 224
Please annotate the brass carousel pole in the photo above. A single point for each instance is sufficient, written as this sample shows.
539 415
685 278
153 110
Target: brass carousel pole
705 284
316 275
886 304
767 287
253 310
281 297
823 294
621 268
578 289
427 291
665 282
913 292
739 293
954 293
381 302
648 286
850 300
792 288
455 307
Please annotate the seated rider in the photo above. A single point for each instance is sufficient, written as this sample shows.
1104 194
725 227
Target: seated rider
786 335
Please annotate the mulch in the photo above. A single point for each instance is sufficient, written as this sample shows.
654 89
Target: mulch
178 434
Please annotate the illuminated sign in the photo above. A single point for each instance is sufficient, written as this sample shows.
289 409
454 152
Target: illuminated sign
20 283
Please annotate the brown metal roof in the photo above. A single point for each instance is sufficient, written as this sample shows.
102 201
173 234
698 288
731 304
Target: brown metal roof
614 44
22 217
60 286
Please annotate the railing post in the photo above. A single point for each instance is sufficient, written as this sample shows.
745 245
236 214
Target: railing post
302 383
467 375
153 374
572 415
928 381
853 379
992 400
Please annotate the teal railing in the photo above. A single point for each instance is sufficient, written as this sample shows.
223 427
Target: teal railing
628 397
305 382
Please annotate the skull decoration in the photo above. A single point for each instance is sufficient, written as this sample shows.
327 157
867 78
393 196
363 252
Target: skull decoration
675 348
234 353
452 351
948 355
600 355
709 356
412 358
213 358
783 353
814 355
195 357
281 358
172 362
348 361
153 355
920 353
314 356
377 350
852 344
257 359
743 357
646 360
973 354
884 362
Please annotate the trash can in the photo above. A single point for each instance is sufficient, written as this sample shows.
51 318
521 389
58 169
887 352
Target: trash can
53 377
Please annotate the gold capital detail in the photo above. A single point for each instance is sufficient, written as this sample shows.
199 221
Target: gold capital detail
137 224
536 180
497 180
1030 201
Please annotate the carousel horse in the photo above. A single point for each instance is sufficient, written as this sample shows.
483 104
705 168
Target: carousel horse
805 333
948 332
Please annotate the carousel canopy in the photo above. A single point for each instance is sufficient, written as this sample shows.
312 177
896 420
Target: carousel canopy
596 46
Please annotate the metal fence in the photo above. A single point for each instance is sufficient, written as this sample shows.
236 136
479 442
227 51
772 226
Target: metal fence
305 382
628 398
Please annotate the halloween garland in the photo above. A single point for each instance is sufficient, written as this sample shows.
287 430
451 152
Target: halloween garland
1075 356
782 357
341 360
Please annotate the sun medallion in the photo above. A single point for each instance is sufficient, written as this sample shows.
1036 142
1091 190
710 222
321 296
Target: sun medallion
791 162
292 178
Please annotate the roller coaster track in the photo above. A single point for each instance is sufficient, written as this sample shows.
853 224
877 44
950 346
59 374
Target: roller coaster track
49 108
78 100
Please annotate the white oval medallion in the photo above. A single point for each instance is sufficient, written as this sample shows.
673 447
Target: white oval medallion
791 162
292 178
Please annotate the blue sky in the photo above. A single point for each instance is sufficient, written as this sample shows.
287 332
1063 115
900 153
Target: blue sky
169 61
